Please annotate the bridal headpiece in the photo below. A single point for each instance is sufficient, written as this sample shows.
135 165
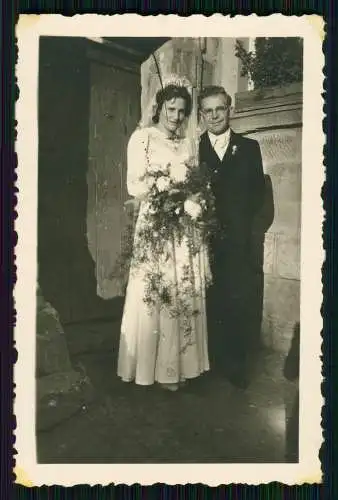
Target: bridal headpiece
177 81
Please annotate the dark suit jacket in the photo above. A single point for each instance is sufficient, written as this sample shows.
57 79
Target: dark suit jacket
238 185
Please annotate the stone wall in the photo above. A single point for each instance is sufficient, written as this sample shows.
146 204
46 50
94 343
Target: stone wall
274 118
61 390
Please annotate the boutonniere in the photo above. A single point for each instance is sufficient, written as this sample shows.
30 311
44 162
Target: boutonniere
234 150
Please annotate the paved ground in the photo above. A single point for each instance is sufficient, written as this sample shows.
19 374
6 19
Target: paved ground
209 421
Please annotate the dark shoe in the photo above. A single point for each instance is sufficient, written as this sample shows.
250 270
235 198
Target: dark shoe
240 381
238 377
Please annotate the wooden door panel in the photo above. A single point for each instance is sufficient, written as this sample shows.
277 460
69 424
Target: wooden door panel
115 96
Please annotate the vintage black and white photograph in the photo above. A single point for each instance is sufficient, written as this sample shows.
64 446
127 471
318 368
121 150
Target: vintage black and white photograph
169 214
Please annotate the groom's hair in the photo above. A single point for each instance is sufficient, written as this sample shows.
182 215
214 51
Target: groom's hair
172 92
212 90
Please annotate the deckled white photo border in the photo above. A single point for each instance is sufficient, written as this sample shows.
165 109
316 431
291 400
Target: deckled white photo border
29 28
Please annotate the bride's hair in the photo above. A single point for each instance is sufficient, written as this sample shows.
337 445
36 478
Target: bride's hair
172 92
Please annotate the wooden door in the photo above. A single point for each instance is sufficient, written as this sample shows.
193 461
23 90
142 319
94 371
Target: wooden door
114 113
66 273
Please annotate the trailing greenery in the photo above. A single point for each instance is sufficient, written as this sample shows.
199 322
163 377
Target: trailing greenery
179 209
275 61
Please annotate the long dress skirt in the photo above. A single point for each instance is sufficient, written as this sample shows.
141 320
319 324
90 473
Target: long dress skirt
154 345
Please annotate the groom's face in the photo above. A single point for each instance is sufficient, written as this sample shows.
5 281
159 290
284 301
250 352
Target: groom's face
215 112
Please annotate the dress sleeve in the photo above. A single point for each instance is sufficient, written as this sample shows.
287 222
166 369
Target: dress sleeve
137 185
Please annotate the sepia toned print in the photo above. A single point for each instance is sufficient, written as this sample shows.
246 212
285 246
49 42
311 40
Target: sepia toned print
175 318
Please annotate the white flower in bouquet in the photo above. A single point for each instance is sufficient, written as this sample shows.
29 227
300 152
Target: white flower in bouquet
192 208
178 172
155 168
163 184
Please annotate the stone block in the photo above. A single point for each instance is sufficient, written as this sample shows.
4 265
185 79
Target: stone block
290 188
281 310
274 365
59 396
47 318
266 119
283 332
288 256
277 333
51 347
287 218
51 354
267 331
269 253
282 146
282 296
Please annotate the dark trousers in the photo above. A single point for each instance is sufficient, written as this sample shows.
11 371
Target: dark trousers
234 307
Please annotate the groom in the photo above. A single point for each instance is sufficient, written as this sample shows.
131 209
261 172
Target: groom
236 174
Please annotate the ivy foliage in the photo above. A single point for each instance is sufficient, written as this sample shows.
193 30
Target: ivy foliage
275 61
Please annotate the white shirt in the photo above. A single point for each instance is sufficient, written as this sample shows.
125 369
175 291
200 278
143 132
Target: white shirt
220 142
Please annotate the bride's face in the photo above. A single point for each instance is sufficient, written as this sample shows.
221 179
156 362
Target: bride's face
172 114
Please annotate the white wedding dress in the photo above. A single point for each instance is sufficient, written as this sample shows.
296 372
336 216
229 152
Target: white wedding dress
153 345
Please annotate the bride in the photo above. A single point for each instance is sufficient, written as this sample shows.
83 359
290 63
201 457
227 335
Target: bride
155 345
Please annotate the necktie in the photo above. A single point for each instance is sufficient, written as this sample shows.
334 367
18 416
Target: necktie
220 148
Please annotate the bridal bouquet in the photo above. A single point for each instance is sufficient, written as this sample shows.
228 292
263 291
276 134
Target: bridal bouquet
179 205
180 201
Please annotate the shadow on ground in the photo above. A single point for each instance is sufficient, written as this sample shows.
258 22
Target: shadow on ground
209 421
